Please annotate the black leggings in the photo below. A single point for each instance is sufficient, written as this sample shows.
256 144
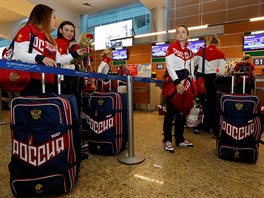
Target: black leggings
179 124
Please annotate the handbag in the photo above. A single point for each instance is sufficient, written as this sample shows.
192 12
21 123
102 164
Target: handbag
200 82
200 86
169 88
184 102
15 80
194 87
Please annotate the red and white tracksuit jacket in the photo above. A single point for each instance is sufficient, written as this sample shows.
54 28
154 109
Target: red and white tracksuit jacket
104 66
214 60
179 62
41 48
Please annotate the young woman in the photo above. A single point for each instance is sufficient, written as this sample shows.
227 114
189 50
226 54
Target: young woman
245 66
66 35
178 61
214 60
105 68
41 22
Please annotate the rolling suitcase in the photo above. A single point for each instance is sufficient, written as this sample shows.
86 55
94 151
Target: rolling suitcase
46 147
104 122
240 127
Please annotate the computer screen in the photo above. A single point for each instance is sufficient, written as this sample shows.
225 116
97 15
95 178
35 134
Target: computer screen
159 50
253 42
195 45
119 54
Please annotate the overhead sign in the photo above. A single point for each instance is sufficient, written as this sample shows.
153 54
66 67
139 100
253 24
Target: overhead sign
258 61
159 66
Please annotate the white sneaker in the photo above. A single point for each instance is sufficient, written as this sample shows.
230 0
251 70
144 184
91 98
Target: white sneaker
185 144
168 146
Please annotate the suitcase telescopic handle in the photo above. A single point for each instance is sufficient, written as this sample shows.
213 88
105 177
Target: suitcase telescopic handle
58 81
233 81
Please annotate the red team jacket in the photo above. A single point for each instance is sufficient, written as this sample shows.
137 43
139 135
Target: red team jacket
179 60
63 45
214 59
41 48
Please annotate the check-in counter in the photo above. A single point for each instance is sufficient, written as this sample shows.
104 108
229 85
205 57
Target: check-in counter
146 96
259 89
224 85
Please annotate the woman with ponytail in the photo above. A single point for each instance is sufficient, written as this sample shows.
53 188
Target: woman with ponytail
41 22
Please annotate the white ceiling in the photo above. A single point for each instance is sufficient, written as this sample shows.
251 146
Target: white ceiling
96 5
13 11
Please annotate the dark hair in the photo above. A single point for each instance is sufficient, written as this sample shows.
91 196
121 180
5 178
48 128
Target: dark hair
40 17
59 35
184 26
214 40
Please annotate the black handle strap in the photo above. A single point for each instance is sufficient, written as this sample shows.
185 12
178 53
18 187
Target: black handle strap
190 65
203 64
32 37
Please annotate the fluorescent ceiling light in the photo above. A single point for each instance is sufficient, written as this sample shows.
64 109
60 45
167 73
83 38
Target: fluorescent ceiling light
160 43
257 19
197 27
193 39
150 34
258 32
172 31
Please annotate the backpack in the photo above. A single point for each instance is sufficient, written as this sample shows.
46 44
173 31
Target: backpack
8 52
15 80
245 68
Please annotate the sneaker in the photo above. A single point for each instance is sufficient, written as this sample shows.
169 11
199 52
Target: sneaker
196 131
168 146
185 144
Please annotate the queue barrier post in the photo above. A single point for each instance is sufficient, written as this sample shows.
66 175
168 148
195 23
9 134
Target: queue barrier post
130 157
1 109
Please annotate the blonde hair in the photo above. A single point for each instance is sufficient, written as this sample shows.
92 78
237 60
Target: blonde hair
105 52
214 41
246 57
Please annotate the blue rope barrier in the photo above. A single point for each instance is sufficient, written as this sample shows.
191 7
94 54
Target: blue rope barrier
16 65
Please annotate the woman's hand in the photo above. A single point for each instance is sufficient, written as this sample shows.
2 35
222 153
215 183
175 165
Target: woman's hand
49 62
81 51
180 88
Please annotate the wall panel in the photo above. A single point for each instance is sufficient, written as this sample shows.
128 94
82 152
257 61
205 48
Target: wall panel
188 21
186 3
212 6
214 12
187 11
241 3
243 27
239 14
214 18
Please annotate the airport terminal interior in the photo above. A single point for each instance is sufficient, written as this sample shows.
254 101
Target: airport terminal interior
195 172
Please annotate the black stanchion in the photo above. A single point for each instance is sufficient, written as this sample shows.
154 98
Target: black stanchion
130 157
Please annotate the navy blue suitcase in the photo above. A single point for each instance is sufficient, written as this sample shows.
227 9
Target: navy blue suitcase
46 147
240 128
104 121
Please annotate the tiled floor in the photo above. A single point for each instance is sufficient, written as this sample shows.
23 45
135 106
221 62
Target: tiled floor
188 172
